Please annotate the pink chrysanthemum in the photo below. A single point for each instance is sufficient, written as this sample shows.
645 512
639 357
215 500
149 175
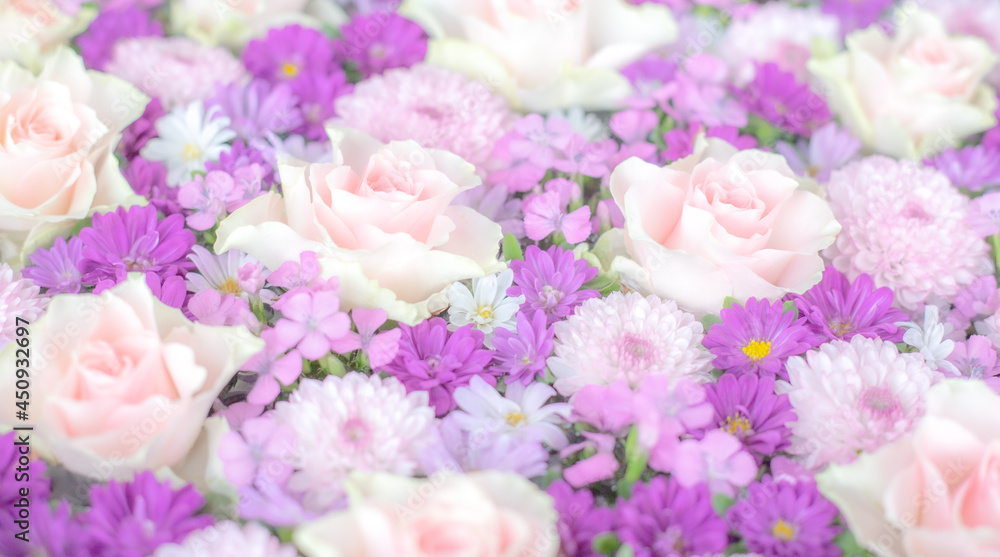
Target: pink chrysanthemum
19 297
435 107
853 396
177 70
625 336
352 423
904 225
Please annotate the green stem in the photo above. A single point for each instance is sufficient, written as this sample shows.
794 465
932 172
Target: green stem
636 460
995 242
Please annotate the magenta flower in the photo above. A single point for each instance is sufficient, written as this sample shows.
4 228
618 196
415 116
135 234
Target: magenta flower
786 518
133 519
756 338
133 239
381 347
632 125
312 321
975 167
977 359
272 368
138 133
717 459
578 156
984 214
259 447
550 281
649 78
521 355
663 518
779 99
57 268
580 521
288 53
97 43
545 213
534 138
432 359
257 110
149 179
292 274
317 94
609 408
518 172
747 407
829 148
214 308
839 309
396 42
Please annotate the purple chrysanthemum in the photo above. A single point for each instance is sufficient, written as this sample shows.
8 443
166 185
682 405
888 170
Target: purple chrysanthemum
837 308
133 519
786 519
289 53
662 518
138 133
777 97
56 532
432 359
579 520
257 110
149 179
238 156
854 14
133 239
521 355
97 43
57 268
550 281
36 484
755 338
317 100
747 407
396 43
974 167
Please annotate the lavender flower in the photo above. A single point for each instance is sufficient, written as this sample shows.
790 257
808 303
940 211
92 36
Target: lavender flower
550 281
757 337
57 268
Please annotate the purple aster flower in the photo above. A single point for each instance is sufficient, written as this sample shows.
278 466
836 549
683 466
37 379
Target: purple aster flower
288 53
786 518
829 148
137 133
259 109
133 519
747 407
133 239
550 281
649 77
11 458
975 167
579 520
239 156
432 359
977 359
680 140
312 321
97 43
56 532
756 338
778 98
317 98
521 355
374 43
855 14
149 179
836 308
57 268
984 214
662 518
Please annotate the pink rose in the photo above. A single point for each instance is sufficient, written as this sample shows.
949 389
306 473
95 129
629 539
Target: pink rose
914 94
718 223
935 491
120 382
58 131
380 219
481 514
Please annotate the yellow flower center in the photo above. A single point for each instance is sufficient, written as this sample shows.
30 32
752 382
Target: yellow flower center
289 70
515 419
756 350
737 425
485 313
191 152
230 286
783 530
840 329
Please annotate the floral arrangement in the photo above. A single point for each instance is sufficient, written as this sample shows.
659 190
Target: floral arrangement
518 278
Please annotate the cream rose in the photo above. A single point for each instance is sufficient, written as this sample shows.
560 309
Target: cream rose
120 382
914 94
58 131
935 491
544 54
233 23
482 514
32 29
379 218
718 223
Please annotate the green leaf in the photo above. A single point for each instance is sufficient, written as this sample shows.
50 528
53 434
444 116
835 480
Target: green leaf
845 540
636 459
790 306
625 551
737 548
721 502
730 302
710 319
606 543
511 248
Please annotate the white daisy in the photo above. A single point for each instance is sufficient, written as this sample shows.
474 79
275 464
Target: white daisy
222 273
487 306
930 340
522 412
584 123
188 138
